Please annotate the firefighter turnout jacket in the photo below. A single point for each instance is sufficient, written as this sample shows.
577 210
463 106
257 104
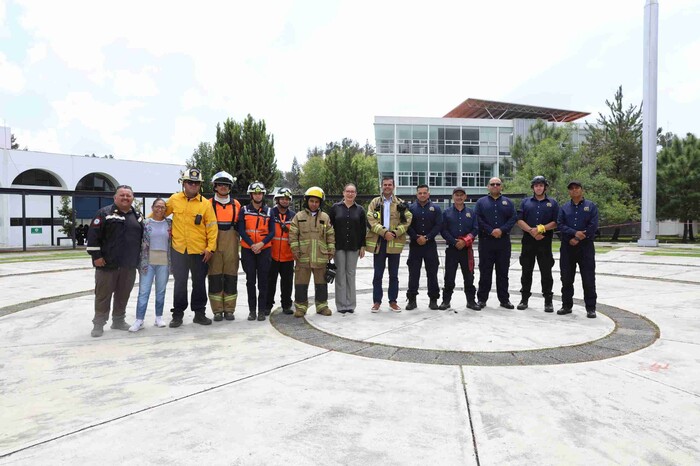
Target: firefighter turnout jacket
312 239
399 223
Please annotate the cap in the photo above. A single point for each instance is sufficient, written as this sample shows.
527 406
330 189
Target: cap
574 182
456 190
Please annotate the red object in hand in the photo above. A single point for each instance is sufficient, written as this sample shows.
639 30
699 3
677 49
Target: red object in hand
468 240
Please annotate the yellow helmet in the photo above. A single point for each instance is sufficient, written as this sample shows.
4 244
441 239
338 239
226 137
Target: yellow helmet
314 191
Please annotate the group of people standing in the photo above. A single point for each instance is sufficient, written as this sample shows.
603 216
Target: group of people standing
492 220
188 235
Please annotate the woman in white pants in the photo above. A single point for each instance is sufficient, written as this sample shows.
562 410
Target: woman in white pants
349 221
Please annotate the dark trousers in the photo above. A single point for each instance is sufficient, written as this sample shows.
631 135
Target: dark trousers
112 283
584 255
380 260
540 251
416 256
182 266
455 258
256 268
494 251
286 273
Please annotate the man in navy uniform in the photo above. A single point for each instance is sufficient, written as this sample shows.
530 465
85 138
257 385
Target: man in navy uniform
496 216
459 228
425 226
537 217
578 222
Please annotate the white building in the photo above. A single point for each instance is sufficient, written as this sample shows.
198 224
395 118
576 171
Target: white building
30 170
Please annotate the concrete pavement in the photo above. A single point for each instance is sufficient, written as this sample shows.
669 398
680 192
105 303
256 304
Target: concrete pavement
260 393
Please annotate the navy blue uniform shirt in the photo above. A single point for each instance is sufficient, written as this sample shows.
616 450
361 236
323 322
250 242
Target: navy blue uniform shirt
495 213
457 223
427 221
578 217
535 212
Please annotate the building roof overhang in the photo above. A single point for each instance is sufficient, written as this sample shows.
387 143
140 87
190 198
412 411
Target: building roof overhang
489 109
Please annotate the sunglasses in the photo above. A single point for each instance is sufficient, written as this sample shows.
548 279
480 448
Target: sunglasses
192 182
494 184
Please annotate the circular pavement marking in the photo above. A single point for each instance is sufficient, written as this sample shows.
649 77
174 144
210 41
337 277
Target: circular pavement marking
632 332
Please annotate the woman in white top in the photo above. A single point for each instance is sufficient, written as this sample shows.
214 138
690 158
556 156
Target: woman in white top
154 264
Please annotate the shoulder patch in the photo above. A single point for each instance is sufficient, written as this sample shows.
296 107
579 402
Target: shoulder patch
96 222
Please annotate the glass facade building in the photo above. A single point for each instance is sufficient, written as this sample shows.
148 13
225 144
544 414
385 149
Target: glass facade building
449 152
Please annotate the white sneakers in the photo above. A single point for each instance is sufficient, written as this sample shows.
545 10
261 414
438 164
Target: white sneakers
138 325
159 322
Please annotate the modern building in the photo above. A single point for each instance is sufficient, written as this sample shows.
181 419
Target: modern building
93 177
466 147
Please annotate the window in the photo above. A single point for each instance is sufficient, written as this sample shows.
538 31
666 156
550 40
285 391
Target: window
505 141
435 179
420 139
384 134
36 177
470 150
403 140
405 178
437 140
95 182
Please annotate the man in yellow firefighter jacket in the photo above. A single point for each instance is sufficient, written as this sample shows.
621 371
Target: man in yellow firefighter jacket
312 240
223 266
388 220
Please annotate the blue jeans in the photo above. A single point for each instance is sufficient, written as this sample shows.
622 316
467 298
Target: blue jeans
160 273
380 260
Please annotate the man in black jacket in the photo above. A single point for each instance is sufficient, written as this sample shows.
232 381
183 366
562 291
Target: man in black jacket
114 242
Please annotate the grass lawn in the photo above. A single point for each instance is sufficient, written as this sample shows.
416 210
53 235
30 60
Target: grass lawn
43 256
680 252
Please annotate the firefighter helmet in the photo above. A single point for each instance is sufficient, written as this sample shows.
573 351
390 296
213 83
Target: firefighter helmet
191 174
256 187
314 191
223 177
284 192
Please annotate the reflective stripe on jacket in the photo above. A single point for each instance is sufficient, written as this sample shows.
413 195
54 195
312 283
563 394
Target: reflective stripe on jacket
311 238
226 218
254 226
397 224
281 250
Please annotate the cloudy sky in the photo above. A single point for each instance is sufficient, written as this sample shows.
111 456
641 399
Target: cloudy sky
148 80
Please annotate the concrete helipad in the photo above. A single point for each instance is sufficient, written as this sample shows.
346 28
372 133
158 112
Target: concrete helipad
417 387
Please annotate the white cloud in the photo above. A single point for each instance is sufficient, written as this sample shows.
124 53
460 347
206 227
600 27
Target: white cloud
37 53
135 84
44 140
12 78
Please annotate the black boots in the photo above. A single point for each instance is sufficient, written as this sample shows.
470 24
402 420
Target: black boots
523 304
252 315
433 304
201 318
411 304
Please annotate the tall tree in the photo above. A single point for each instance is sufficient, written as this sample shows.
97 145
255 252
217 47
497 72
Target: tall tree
203 158
292 177
614 143
678 195
554 157
246 151
341 163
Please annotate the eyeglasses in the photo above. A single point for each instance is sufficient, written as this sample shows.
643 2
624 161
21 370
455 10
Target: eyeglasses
494 184
192 182
158 207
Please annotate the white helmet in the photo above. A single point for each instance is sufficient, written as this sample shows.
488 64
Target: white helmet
223 177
